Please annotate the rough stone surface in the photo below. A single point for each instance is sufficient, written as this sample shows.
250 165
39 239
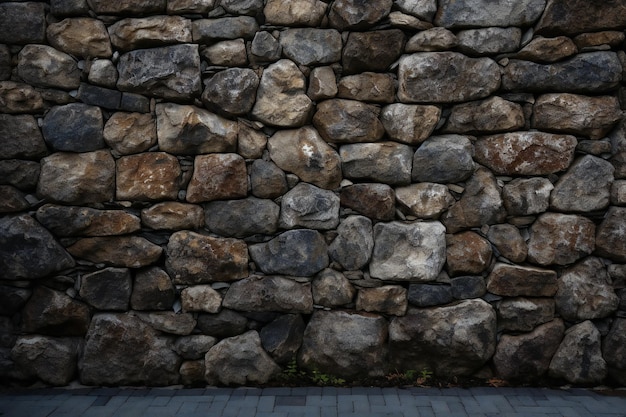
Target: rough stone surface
128 133
443 159
122 251
207 31
560 239
21 138
578 359
53 313
304 153
239 360
492 115
282 337
331 288
75 127
103 72
489 41
385 162
189 130
438 77
585 292
265 47
267 179
294 12
410 124
453 14
408 251
460 337
585 187
311 46
269 293
226 53
107 289
345 343
508 241
611 235
150 358
357 15
308 206
372 200
127 7
18 97
371 51
388 299
44 66
147 177
354 243
28 250
614 350
424 200
467 253
22 23
226 323
368 86
147 32
348 121
432 40
232 91
524 196
467 287
242 218
192 258
51 359
547 50
524 314
77 178
427 295
525 153
200 298
217 177
81 36
169 322
294 252
513 281
172 215
568 18
84 221
152 290
322 83
526 357
194 347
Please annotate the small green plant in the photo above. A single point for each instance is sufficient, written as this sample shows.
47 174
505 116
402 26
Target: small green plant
425 376
322 379
293 374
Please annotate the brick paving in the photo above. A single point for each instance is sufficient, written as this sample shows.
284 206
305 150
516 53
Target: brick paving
309 402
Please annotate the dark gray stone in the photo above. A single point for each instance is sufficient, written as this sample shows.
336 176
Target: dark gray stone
348 121
459 14
352 248
241 218
267 180
208 31
385 162
427 295
5 62
19 173
194 347
614 350
611 235
152 290
21 138
372 51
99 96
357 15
295 252
269 293
14 200
331 288
50 359
282 337
107 289
570 17
54 313
12 299
265 47
308 46
232 91
75 127
468 287
524 314
308 206
127 7
44 66
443 159
134 103
69 7
22 23
226 323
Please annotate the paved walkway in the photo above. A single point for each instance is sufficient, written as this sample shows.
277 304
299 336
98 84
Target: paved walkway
309 402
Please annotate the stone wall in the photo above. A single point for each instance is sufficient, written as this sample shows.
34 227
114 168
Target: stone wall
202 191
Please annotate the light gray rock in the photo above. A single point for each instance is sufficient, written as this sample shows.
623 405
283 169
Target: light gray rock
443 159
28 250
294 12
44 66
585 292
304 153
231 91
50 359
123 251
486 116
345 344
526 357
560 239
372 51
388 299
128 133
578 359
439 77
524 314
296 252
357 15
282 337
592 72
149 176
424 200
53 313
77 178
103 72
192 258
432 40
585 187
408 251
480 204
525 153
458 14
230 53
189 6
611 235
190 130
74 127
242 218
150 359
107 289
373 200
269 293
489 41
331 288
352 248
368 87
172 215
452 340
308 46
267 180
170 72
424 9
508 241
181 324
385 162
614 350
200 298
239 360
576 114
310 207
148 32
219 176
514 281
152 290
281 97
208 31
348 121
524 196
81 36
410 124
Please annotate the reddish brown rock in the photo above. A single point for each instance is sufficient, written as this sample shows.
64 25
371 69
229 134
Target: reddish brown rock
148 176
525 153
367 86
128 34
605 38
560 239
172 215
467 253
218 177
569 17
128 133
348 121
123 251
388 299
513 281
372 200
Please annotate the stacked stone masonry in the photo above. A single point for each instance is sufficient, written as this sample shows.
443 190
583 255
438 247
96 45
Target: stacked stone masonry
205 191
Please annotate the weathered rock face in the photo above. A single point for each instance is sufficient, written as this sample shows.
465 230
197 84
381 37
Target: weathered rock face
547 50
217 177
386 162
372 200
426 339
311 46
128 133
283 337
443 159
150 358
123 251
108 289
294 12
74 127
22 23
20 138
307 206
568 18
152 290
44 66
513 281
348 121
452 14
352 248
388 299
524 196
271 293
19 97
51 359
54 313
241 218
508 241
128 34
524 314
147 176
344 343
357 15
486 41
200 298
371 51
424 200
82 37
610 240
467 253
486 116
171 215
614 350
560 239
410 124
331 288
232 91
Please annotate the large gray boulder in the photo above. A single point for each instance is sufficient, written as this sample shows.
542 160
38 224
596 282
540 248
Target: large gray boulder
443 159
44 66
308 206
308 46
269 293
384 162
50 359
451 340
